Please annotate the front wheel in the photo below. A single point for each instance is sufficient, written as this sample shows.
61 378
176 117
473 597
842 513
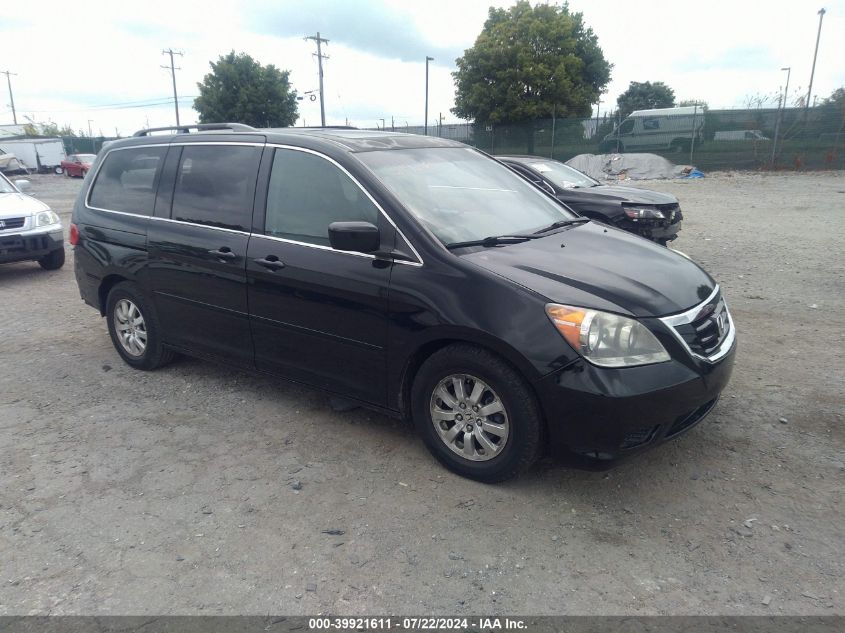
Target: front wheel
134 329
58 171
53 260
476 414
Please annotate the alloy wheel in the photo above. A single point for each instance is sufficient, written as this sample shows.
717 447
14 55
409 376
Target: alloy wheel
130 327
469 417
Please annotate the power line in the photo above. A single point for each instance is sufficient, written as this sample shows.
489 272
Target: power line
173 70
320 58
11 96
160 101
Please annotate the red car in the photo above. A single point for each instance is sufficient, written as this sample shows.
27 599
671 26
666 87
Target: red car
77 165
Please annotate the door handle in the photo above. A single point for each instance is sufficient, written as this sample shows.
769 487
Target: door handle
271 262
224 252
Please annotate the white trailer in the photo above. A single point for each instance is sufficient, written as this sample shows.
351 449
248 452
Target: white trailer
38 154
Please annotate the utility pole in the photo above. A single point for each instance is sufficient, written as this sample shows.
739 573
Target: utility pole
320 57
173 70
816 54
427 59
781 108
11 96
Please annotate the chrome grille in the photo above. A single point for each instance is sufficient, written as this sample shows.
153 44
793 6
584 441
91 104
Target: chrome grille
707 330
11 223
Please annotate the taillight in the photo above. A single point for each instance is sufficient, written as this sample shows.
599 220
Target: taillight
73 238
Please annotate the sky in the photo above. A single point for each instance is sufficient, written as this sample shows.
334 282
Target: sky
97 63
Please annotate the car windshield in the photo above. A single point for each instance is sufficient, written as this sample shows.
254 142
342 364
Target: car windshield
86 158
5 185
461 195
562 175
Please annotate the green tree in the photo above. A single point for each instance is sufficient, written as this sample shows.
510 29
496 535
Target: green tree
47 129
837 97
529 62
644 96
240 90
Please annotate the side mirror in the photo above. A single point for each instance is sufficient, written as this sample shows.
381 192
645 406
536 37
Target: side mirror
359 237
22 184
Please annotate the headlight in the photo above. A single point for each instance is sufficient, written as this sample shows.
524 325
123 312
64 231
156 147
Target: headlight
606 340
644 213
46 218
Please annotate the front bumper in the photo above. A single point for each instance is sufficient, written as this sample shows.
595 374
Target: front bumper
29 245
600 416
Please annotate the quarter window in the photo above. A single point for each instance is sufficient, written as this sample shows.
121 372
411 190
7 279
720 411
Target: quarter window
215 185
307 193
128 179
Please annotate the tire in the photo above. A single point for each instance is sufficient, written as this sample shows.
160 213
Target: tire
144 350
679 146
53 260
513 411
58 171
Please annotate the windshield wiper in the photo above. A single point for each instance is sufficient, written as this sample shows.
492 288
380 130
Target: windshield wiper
493 240
560 224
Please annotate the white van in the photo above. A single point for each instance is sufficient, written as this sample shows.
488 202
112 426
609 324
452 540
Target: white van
662 128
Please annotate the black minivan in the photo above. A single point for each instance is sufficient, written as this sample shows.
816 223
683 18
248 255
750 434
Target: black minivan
410 274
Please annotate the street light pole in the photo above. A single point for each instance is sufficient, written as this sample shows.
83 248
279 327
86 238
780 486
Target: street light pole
815 55
427 59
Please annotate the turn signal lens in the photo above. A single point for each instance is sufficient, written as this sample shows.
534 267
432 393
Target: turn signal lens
568 322
73 237
605 339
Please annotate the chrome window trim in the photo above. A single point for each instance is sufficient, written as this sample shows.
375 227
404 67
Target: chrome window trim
419 261
384 213
689 316
202 226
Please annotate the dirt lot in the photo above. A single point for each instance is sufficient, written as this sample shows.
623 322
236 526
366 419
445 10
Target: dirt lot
172 492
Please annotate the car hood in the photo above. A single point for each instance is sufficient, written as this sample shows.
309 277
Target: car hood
596 266
15 205
614 193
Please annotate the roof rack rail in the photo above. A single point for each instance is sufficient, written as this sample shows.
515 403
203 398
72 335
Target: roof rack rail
323 127
200 127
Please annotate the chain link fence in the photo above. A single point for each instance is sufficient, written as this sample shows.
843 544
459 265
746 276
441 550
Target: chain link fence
749 139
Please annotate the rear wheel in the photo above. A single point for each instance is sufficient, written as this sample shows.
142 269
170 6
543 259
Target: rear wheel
58 170
680 145
476 414
53 260
133 326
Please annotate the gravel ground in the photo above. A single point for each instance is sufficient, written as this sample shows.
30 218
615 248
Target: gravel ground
175 492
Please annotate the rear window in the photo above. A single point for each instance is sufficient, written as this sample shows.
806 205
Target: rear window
215 185
128 179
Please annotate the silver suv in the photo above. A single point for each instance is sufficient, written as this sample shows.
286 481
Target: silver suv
29 229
